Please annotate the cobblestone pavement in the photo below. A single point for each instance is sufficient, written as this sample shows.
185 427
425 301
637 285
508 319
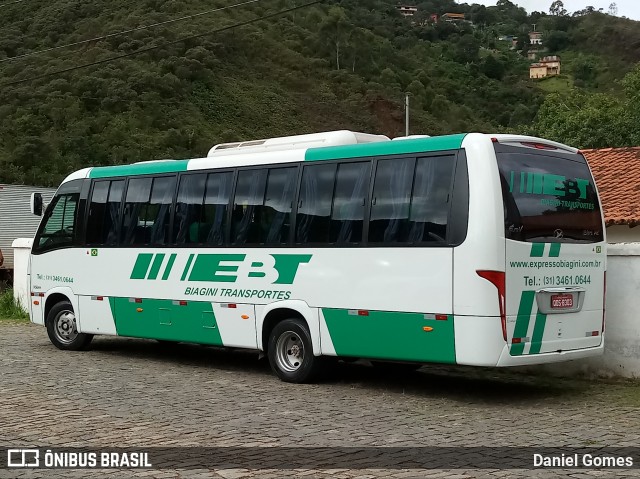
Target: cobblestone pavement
138 393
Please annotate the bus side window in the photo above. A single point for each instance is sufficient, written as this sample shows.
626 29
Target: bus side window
159 210
245 221
314 203
147 211
135 209
275 214
430 199
347 213
188 216
391 203
104 213
211 229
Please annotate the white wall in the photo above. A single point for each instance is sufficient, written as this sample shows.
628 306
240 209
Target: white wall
622 327
21 251
623 234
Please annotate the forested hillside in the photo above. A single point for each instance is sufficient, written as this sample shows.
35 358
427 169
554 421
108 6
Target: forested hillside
255 69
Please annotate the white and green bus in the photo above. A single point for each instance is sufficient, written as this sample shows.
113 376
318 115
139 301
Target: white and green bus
471 249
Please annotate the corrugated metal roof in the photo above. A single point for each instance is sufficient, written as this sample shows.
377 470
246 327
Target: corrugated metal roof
16 220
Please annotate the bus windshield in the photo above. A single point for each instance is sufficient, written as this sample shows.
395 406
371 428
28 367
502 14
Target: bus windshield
548 197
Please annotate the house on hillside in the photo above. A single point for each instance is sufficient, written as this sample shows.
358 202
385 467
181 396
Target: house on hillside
535 38
407 10
617 175
547 66
453 17
552 63
537 70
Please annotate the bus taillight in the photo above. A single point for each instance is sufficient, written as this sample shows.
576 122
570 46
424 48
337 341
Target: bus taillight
497 278
538 146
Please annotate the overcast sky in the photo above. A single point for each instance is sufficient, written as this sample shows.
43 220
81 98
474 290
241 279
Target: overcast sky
626 8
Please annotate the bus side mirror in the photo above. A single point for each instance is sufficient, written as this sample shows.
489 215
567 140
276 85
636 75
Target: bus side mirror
36 204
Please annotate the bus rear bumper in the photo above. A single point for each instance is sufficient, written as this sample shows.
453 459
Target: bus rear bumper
506 359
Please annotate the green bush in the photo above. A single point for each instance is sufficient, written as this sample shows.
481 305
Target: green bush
10 308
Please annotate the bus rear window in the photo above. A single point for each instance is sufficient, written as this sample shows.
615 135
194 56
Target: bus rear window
548 198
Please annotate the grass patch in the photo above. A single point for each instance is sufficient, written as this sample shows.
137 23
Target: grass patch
560 84
10 309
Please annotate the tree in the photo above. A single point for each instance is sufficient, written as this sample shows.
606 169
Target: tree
520 116
389 79
557 9
493 68
522 45
361 42
631 84
536 16
334 27
585 68
584 120
505 5
557 40
586 11
466 49
479 15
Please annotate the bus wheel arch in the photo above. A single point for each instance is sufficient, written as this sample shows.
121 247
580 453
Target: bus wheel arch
275 316
52 300
61 324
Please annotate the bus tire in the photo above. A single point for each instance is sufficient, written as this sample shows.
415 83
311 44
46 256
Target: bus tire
62 328
290 352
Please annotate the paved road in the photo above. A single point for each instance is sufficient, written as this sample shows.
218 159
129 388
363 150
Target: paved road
137 393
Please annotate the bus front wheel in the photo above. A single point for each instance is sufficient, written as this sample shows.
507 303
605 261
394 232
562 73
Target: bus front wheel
63 329
290 352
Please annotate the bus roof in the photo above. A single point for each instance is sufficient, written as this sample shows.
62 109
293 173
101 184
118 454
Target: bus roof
358 145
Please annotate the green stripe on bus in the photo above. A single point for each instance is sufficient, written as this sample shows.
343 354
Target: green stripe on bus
522 321
537 250
554 250
142 265
538 333
155 267
155 167
167 270
186 268
529 182
189 321
207 266
391 335
417 145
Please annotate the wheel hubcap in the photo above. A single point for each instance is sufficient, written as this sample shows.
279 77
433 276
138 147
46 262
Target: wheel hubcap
289 351
65 327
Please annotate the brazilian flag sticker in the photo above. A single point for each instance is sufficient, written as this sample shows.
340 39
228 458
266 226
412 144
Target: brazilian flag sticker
94 252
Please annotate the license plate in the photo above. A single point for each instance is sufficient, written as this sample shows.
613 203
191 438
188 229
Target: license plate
561 301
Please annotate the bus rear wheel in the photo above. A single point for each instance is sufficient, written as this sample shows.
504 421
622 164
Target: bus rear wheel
63 329
290 352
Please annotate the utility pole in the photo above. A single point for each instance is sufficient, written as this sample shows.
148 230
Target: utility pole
406 114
